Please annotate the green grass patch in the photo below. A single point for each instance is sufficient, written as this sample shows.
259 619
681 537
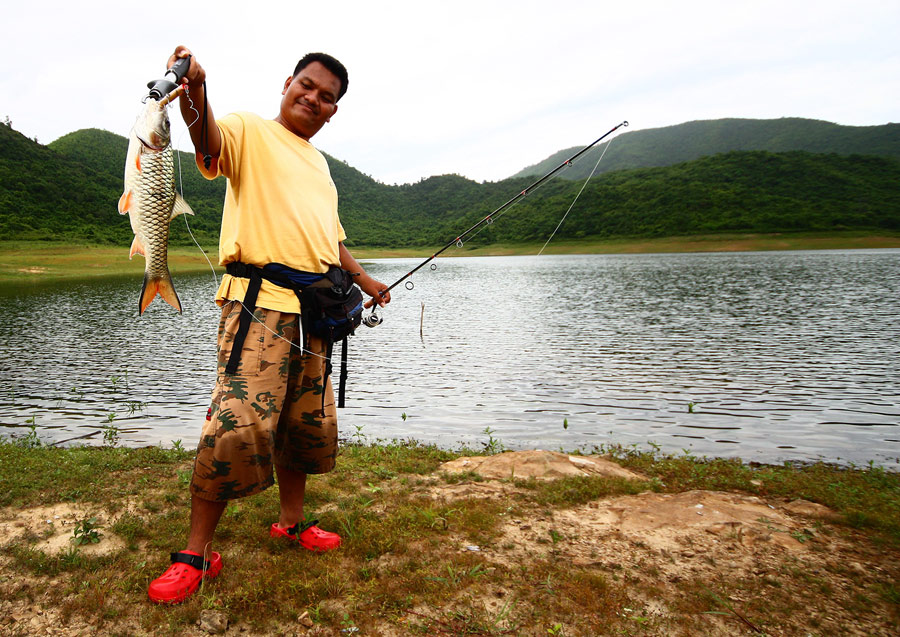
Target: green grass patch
413 562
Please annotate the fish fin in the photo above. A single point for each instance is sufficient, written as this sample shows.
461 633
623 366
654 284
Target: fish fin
137 162
159 285
180 207
137 247
125 202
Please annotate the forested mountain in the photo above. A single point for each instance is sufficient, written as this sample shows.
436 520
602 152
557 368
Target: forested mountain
692 140
70 188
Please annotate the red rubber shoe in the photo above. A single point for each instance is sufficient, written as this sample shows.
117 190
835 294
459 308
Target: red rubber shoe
309 535
182 579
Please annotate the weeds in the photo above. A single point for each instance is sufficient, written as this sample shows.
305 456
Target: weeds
110 432
85 532
493 445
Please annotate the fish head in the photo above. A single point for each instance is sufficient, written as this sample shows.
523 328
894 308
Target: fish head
152 126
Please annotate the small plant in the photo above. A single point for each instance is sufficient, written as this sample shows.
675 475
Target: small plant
348 626
493 445
177 446
86 532
135 406
110 432
31 440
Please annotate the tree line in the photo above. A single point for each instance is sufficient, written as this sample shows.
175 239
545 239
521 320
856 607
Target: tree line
68 190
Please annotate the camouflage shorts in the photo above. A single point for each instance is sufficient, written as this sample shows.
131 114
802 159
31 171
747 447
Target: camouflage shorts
273 411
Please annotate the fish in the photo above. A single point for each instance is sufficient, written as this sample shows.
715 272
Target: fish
151 201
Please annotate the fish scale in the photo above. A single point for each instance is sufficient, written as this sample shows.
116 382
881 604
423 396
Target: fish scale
151 202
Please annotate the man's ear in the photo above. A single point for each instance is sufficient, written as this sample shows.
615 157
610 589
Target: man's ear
332 113
287 83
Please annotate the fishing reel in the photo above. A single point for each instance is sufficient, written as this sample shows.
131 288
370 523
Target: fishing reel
373 319
161 88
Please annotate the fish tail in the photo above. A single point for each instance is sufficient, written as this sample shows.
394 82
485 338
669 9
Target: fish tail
161 285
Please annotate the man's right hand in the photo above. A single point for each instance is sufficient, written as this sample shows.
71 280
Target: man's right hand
194 106
195 75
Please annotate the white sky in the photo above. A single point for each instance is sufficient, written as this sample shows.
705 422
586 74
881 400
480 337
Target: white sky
478 88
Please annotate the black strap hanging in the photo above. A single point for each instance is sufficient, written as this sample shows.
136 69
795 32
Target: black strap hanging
249 305
204 131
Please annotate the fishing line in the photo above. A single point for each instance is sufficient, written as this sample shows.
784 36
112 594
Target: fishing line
495 217
181 184
489 219
605 148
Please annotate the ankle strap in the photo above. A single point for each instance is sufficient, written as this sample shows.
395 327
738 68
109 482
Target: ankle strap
196 561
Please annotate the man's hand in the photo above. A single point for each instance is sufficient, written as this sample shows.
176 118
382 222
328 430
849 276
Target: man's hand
376 289
204 135
195 75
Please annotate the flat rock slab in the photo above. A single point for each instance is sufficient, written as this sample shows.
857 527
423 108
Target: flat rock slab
544 465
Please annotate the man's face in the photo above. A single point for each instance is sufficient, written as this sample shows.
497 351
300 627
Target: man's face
310 99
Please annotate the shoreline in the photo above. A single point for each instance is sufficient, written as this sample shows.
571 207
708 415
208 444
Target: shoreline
31 262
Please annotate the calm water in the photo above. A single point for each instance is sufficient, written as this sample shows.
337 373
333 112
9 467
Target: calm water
765 356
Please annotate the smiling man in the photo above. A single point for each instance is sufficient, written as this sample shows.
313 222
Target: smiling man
272 411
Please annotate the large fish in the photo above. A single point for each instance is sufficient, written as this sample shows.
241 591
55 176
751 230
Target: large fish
150 200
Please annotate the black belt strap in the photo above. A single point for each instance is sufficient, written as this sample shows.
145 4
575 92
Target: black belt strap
249 305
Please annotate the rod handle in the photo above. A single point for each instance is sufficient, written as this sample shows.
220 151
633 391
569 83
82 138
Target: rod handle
173 77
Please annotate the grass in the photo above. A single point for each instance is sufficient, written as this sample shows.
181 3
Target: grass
40 261
403 568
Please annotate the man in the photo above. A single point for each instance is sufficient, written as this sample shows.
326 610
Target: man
277 407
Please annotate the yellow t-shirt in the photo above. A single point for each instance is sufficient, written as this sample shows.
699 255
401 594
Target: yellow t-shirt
280 206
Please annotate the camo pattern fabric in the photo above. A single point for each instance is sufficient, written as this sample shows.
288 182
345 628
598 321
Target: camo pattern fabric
274 410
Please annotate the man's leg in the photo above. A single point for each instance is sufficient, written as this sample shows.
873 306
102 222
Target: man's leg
291 488
291 523
205 516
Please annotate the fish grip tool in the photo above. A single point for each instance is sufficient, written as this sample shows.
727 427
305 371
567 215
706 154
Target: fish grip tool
169 87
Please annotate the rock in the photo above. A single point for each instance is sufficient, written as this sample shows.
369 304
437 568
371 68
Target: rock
540 464
213 622
857 568
305 619
810 509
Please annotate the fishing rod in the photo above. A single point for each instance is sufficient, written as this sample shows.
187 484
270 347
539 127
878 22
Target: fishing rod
373 319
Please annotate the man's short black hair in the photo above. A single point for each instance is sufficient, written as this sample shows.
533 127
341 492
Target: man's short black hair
329 63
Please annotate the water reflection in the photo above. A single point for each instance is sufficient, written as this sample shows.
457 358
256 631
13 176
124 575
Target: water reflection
766 356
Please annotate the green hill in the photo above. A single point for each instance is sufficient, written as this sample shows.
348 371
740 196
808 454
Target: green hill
69 190
692 140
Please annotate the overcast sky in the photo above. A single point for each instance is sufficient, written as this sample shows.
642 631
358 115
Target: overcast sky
481 89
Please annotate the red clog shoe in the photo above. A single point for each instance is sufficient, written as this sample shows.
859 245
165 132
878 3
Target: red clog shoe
183 577
309 535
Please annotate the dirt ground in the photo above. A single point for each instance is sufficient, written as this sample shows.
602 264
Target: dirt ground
667 538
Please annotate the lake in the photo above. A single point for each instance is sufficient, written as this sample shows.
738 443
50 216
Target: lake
768 356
